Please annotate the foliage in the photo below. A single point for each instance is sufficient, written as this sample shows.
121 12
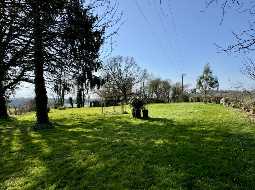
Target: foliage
154 86
210 99
84 41
244 100
176 95
183 146
137 103
14 49
207 81
61 86
160 90
110 94
58 39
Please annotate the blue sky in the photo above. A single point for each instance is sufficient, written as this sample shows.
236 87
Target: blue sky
178 37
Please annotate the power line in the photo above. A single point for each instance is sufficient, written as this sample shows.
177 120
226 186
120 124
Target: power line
142 13
162 17
172 16
154 34
171 21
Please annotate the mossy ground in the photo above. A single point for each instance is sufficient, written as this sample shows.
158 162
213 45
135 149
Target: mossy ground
182 146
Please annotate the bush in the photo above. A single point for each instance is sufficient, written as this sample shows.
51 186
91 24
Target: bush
96 103
209 99
137 103
61 108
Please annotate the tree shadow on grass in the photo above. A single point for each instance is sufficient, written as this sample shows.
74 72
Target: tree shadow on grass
162 120
123 153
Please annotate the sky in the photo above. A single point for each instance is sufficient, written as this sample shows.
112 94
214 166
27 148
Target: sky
176 37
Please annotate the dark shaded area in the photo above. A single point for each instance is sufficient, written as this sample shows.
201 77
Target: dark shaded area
117 153
3 108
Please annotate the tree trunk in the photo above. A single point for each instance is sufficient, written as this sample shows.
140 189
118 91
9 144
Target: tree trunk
136 113
41 98
205 94
125 103
125 98
145 114
63 96
83 98
3 106
79 98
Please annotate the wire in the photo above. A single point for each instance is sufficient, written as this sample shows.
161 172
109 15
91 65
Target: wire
154 34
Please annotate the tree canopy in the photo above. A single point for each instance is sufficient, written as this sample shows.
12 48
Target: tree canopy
207 81
121 75
51 42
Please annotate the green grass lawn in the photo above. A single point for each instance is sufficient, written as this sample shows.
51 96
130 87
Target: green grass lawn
182 146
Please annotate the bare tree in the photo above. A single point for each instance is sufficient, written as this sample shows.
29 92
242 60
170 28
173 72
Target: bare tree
249 68
110 94
122 74
244 41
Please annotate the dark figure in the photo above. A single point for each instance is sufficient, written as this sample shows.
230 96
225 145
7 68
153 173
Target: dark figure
136 113
71 101
145 114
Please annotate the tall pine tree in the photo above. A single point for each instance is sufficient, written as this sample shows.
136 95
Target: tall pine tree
84 40
46 15
15 46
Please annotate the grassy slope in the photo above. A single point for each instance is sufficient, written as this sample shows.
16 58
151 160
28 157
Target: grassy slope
183 146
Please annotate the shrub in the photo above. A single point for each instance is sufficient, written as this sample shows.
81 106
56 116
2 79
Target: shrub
137 103
61 108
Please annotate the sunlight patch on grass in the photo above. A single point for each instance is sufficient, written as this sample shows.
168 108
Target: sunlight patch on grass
211 139
160 141
79 129
181 147
27 176
44 147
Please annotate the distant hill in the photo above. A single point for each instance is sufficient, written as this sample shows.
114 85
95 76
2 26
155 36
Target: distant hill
17 102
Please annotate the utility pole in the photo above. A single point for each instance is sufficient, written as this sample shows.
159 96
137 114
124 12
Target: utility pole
143 93
183 74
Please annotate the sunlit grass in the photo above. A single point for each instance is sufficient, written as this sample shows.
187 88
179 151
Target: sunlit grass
182 146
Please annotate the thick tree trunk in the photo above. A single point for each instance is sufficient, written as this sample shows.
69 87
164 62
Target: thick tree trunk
41 98
3 106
